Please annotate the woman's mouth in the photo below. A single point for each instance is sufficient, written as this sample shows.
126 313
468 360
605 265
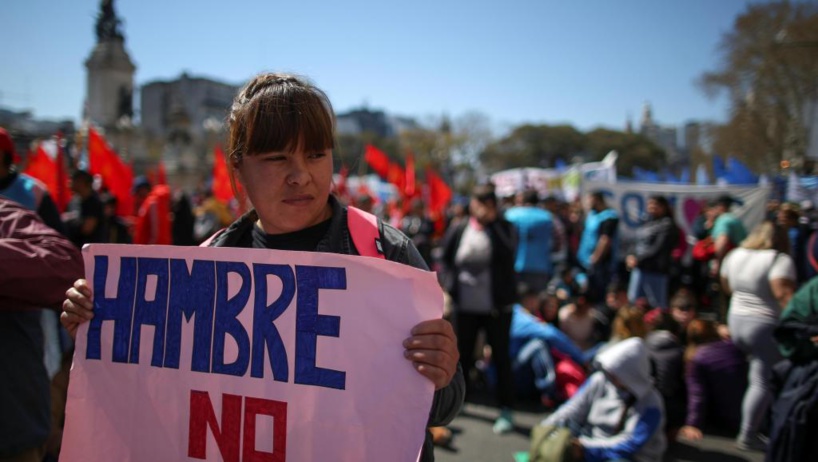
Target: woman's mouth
299 200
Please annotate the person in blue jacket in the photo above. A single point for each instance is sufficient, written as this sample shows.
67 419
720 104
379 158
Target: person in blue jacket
530 347
596 253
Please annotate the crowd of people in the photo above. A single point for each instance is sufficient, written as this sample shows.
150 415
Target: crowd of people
635 344
632 344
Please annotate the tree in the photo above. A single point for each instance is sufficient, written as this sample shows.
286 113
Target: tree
633 149
533 146
769 71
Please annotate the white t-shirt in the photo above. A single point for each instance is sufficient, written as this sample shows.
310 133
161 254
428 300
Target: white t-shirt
749 272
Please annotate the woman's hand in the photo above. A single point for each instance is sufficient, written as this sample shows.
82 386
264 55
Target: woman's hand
432 348
690 433
78 306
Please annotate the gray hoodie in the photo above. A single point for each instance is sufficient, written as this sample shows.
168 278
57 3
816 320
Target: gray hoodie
595 413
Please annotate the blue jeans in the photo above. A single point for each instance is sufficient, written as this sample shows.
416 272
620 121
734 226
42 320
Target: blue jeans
650 285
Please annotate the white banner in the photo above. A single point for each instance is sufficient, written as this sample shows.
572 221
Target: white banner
630 201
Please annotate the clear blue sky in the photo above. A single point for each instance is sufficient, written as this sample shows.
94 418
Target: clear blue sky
585 62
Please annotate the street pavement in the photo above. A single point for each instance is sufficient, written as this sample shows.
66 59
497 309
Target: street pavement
475 442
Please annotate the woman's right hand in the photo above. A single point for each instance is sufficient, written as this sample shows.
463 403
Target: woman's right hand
691 433
77 307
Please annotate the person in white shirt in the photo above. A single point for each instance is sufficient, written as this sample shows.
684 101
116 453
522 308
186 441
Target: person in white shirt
761 277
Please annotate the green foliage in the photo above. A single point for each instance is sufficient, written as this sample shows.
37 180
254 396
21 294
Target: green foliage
533 146
769 70
633 149
542 145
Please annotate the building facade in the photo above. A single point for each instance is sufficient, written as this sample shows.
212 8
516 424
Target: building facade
181 122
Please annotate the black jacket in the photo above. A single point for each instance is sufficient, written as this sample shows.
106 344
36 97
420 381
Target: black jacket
398 248
794 413
503 246
655 241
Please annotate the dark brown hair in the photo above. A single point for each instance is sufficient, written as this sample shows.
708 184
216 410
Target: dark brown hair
700 332
278 112
484 193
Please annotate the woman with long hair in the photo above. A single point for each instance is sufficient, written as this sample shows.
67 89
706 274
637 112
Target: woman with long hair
761 277
651 260
715 370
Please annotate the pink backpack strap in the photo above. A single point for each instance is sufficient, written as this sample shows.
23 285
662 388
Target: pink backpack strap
365 232
212 238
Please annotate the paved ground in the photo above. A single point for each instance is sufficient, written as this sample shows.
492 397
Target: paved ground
474 440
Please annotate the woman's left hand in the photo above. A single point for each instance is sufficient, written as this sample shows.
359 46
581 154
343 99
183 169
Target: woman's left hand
432 348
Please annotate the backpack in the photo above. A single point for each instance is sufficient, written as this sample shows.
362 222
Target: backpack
550 443
366 232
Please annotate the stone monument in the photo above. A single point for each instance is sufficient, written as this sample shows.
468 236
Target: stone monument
109 92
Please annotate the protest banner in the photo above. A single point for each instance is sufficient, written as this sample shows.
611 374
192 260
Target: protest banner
247 355
688 201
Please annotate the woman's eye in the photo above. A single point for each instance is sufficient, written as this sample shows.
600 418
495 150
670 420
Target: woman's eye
317 155
274 158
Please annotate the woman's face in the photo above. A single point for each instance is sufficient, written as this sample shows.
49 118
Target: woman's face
289 190
654 209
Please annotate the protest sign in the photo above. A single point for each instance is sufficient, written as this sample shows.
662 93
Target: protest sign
247 355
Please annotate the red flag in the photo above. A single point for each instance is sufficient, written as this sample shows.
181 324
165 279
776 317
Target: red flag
50 170
409 187
116 175
439 192
42 167
378 160
397 177
222 190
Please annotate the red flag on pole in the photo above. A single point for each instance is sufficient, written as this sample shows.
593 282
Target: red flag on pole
397 177
116 175
409 187
222 190
439 192
47 165
43 168
378 160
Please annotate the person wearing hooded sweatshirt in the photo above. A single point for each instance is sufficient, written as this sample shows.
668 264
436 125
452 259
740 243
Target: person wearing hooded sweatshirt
617 414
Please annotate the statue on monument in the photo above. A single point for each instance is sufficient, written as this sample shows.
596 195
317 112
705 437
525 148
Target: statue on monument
107 23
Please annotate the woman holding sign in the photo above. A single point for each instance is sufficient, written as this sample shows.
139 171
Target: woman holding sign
280 157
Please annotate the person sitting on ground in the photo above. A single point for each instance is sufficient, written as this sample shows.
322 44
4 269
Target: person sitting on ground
716 377
570 284
615 298
617 414
628 323
667 367
530 347
683 310
550 308
577 321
